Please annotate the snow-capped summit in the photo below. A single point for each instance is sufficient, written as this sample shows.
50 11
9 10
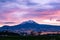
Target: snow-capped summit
29 22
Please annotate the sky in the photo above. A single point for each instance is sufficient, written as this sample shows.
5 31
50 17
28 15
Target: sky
13 12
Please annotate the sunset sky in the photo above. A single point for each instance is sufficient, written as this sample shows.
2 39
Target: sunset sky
13 12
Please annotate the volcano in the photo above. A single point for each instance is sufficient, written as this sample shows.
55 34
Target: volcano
30 25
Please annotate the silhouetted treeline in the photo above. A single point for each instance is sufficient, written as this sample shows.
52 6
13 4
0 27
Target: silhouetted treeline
32 33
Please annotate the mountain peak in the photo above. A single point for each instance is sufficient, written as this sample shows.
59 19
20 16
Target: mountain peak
29 21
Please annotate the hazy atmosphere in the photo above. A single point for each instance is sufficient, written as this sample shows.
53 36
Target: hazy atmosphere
14 12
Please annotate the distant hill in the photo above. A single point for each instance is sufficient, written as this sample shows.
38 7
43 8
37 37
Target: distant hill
30 25
7 33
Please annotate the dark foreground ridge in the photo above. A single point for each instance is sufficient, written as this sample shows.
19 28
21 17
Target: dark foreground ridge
14 36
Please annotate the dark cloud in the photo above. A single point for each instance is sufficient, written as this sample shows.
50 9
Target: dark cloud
7 1
7 22
37 15
55 5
